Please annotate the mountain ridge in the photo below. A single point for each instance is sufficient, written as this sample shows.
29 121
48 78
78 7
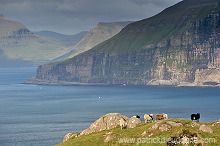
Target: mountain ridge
68 40
19 43
101 32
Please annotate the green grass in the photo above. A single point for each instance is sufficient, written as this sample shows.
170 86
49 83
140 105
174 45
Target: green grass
34 48
97 138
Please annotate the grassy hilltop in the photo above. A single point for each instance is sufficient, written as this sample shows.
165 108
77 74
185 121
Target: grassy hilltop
140 134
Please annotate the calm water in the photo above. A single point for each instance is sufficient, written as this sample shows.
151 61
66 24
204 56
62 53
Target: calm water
36 115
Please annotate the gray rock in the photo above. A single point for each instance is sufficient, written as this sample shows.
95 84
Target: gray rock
105 122
205 128
195 124
109 138
133 122
164 127
69 135
144 133
217 123
156 125
174 123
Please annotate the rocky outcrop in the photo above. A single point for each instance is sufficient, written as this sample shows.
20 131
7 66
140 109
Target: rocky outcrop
165 125
108 121
217 123
195 124
69 135
105 122
133 122
205 128
181 49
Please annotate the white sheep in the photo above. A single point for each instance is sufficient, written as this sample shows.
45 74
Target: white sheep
148 118
123 123
165 116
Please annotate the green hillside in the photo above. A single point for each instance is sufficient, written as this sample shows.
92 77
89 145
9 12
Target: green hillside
169 23
151 137
19 43
102 32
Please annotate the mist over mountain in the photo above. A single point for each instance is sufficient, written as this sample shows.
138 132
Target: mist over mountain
96 35
19 43
68 40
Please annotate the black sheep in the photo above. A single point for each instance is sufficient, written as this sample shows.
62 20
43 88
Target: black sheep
195 117
138 116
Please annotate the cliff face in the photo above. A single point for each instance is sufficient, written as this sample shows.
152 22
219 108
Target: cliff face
170 48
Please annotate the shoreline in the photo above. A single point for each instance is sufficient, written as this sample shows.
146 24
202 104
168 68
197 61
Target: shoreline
35 81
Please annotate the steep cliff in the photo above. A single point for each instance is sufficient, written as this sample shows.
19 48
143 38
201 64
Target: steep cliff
179 46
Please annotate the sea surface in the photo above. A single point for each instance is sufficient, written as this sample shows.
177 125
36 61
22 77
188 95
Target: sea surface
37 115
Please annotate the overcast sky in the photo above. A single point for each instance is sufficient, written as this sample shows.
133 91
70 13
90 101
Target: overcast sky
73 16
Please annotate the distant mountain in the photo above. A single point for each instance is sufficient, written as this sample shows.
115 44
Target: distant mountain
96 35
72 40
68 40
19 43
179 46
51 34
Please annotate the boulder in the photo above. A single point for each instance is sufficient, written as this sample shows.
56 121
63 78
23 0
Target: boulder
109 138
171 123
156 125
105 122
205 128
69 135
217 123
144 133
195 124
164 127
133 122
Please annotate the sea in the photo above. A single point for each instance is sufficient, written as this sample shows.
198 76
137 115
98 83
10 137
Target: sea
40 115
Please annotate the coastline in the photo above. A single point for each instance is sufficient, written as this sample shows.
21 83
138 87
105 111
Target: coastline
65 83
58 83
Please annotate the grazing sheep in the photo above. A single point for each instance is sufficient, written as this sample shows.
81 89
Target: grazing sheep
148 118
123 123
138 116
165 116
195 117
161 117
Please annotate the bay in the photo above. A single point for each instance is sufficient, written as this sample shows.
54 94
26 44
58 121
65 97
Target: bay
37 115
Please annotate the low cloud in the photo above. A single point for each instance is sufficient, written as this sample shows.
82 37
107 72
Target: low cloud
73 16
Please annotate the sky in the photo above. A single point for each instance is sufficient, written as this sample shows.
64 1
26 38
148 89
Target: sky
74 16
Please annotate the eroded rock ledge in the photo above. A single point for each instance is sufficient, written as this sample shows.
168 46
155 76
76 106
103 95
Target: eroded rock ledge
105 122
